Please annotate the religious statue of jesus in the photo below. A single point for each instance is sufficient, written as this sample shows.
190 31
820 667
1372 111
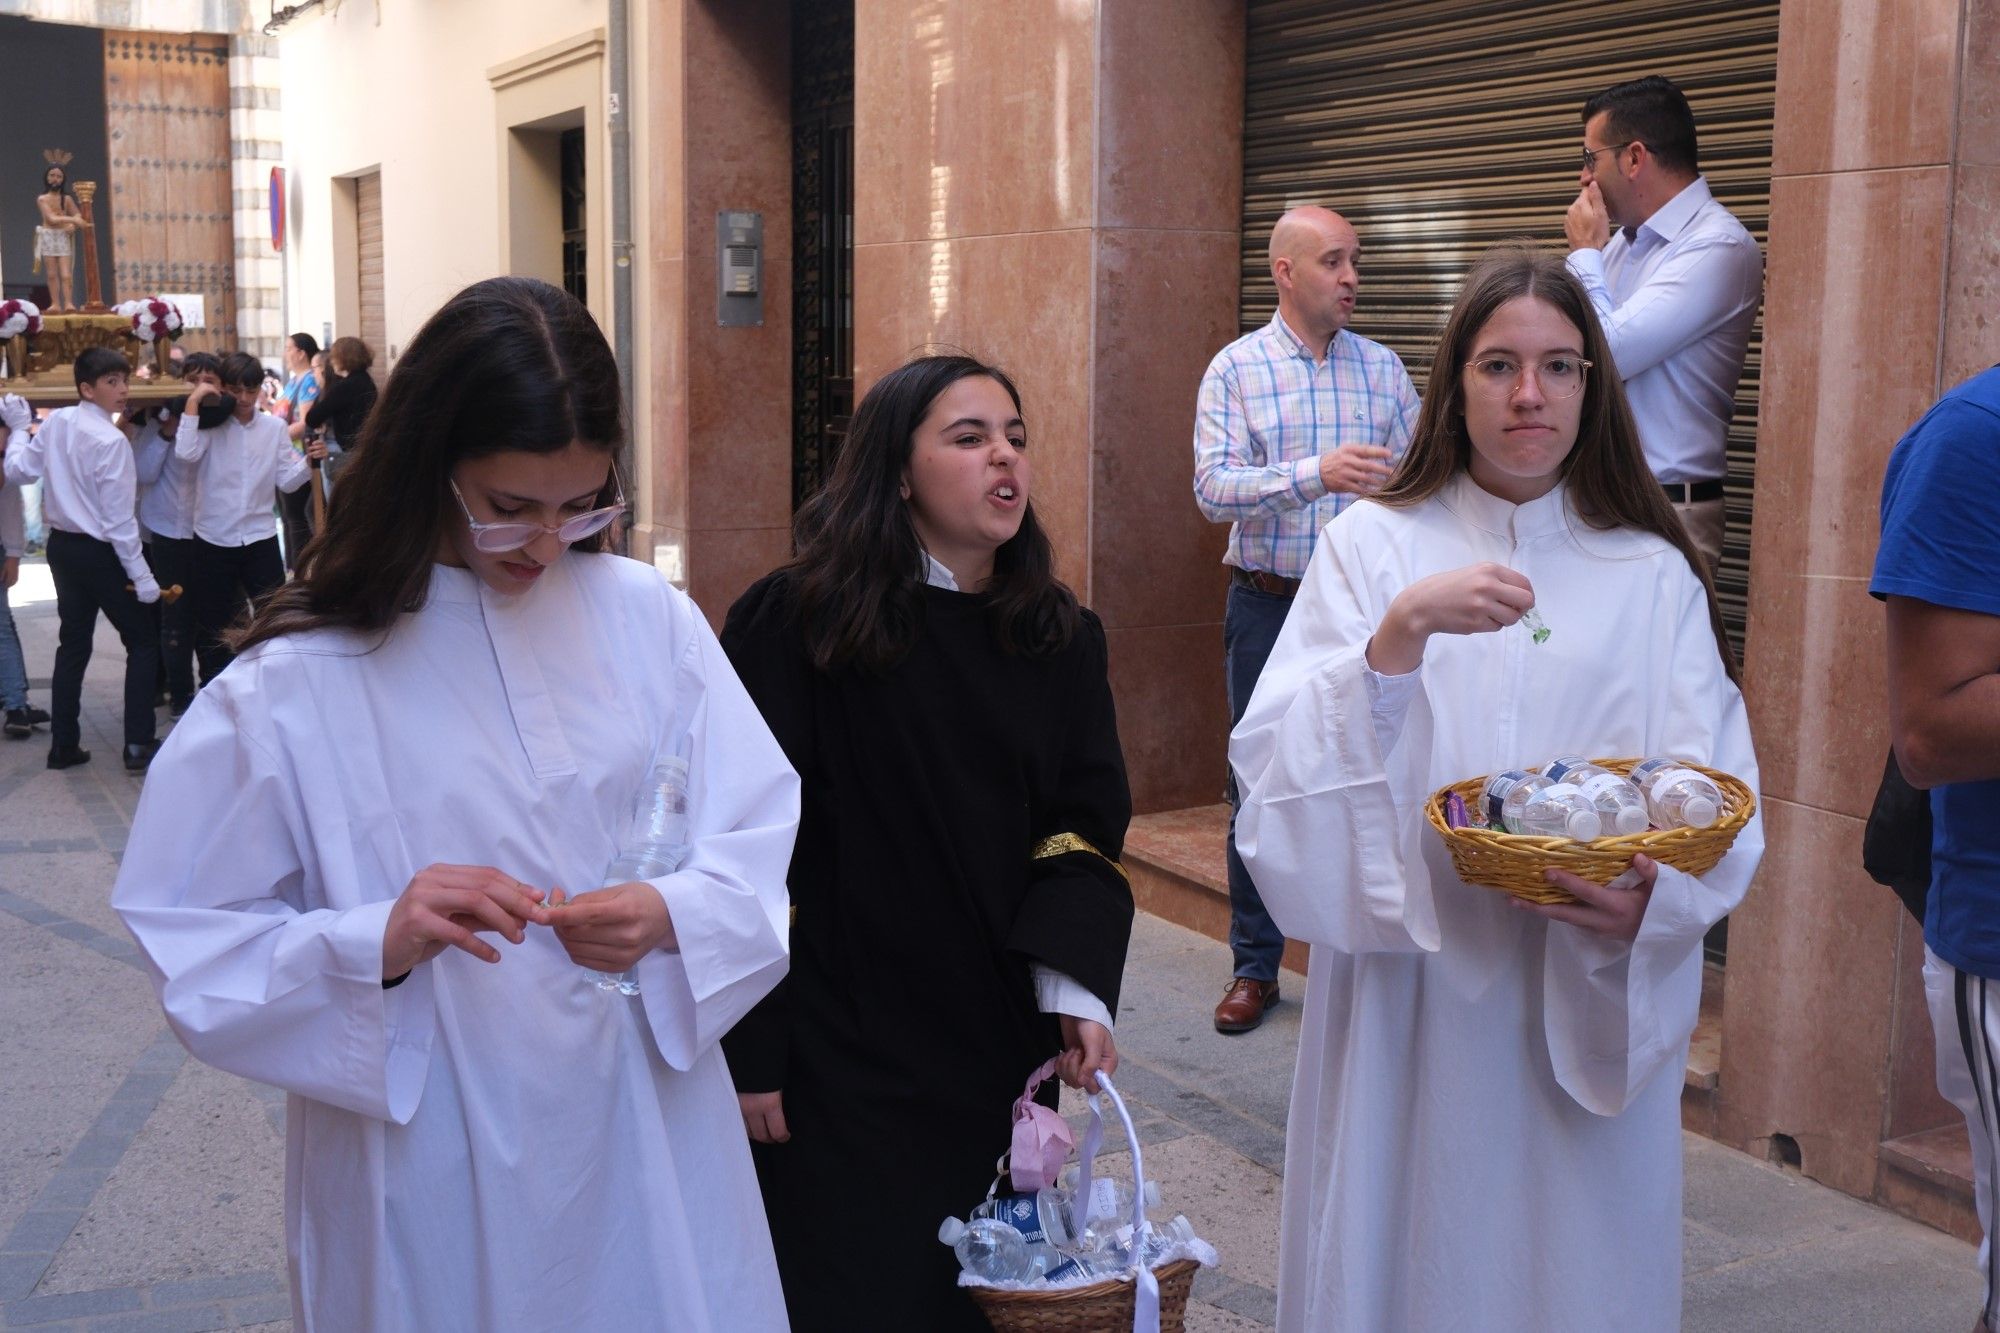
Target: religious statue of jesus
54 238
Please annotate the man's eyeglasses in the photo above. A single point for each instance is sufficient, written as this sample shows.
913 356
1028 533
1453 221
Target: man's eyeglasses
1499 376
494 538
1590 154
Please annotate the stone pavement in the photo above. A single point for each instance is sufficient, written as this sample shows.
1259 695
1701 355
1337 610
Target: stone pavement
140 1190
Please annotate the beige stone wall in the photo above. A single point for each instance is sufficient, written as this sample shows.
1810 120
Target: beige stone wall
410 90
175 16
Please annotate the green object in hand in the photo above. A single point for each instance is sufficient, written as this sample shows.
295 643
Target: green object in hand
1533 620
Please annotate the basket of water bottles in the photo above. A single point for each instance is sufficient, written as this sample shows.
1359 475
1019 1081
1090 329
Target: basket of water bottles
1589 817
1056 1248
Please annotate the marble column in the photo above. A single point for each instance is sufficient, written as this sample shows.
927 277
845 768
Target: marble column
1055 186
1879 279
716 428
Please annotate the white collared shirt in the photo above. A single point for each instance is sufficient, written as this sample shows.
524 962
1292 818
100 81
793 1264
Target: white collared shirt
1677 296
89 482
1055 992
239 471
166 485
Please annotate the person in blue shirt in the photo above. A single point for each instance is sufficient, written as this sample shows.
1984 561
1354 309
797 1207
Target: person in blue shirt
1935 569
302 386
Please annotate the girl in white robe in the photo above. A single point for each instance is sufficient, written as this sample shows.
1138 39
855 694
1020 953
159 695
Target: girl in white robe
1485 1118
343 864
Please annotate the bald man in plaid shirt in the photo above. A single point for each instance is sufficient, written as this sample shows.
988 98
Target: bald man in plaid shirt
1294 421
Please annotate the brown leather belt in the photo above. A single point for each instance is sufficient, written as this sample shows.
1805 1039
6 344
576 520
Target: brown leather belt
1691 492
1275 584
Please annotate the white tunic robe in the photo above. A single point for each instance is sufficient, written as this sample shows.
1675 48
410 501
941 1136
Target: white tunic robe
485 1146
1485 1119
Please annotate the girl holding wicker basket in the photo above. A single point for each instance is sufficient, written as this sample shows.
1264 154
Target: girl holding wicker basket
1485 1119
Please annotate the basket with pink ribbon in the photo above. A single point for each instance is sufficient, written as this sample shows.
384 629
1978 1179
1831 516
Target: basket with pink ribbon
1058 1248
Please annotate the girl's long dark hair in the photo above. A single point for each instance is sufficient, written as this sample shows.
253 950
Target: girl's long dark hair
1606 472
859 563
507 364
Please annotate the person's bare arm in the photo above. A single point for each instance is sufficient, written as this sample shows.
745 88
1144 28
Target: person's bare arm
1944 692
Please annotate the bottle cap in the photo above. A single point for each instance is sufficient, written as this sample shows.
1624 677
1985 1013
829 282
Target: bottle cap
951 1231
1584 825
1630 819
1699 811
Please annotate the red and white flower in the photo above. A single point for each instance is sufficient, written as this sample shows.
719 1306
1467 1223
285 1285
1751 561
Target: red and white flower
152 318
19 317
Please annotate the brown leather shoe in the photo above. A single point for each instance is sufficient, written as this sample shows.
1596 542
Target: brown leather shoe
1244 1004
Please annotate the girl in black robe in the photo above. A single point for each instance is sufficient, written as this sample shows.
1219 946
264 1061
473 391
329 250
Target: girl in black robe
946 703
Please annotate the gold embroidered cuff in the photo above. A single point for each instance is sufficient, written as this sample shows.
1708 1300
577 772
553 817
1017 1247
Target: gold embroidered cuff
1062 843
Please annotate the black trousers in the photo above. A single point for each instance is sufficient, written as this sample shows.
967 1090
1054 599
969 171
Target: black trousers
225 578
295 508
172 559
89 579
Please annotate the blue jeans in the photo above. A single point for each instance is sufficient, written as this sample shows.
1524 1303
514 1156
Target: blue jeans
1250 624
13 667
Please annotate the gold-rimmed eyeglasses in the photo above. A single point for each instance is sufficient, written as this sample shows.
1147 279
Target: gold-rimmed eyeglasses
1501 376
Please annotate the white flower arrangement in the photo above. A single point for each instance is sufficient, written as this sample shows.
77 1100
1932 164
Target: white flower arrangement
152 318
19 317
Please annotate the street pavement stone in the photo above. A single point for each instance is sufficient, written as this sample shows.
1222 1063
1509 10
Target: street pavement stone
140 1190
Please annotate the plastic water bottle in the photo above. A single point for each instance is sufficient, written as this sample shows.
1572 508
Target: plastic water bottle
987 1248
1620 807
1042 1218
655 844
1523 802
1676 795
1163 1236
1106 1227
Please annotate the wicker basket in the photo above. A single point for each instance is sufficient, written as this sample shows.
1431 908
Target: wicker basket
1099 1307
1110 1306
1514 862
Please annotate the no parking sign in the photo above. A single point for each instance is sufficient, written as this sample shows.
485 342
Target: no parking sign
277 208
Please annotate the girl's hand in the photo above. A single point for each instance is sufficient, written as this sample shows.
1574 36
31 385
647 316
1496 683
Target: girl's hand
610 929
1087 1048
1477 599
444 907
1612 910
764 1116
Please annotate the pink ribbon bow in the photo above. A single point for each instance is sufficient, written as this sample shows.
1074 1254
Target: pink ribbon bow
1042 1139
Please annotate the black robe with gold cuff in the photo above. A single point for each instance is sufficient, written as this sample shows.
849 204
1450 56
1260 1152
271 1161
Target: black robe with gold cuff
909 1022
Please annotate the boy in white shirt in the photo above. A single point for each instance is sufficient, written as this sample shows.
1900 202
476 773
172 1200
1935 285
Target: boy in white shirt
89 488
242 464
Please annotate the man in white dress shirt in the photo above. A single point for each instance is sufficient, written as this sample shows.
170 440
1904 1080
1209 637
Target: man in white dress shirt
241 465
89 487
1676 281
166 517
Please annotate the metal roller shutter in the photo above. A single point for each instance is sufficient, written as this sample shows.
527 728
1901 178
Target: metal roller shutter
1442 126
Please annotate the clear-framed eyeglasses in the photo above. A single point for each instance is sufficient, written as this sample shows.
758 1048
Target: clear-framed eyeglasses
1501 376
494 538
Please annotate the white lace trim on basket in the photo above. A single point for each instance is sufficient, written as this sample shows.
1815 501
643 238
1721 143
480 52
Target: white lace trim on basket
1198 1250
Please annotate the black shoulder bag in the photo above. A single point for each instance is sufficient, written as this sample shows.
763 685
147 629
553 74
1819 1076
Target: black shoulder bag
1896 845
